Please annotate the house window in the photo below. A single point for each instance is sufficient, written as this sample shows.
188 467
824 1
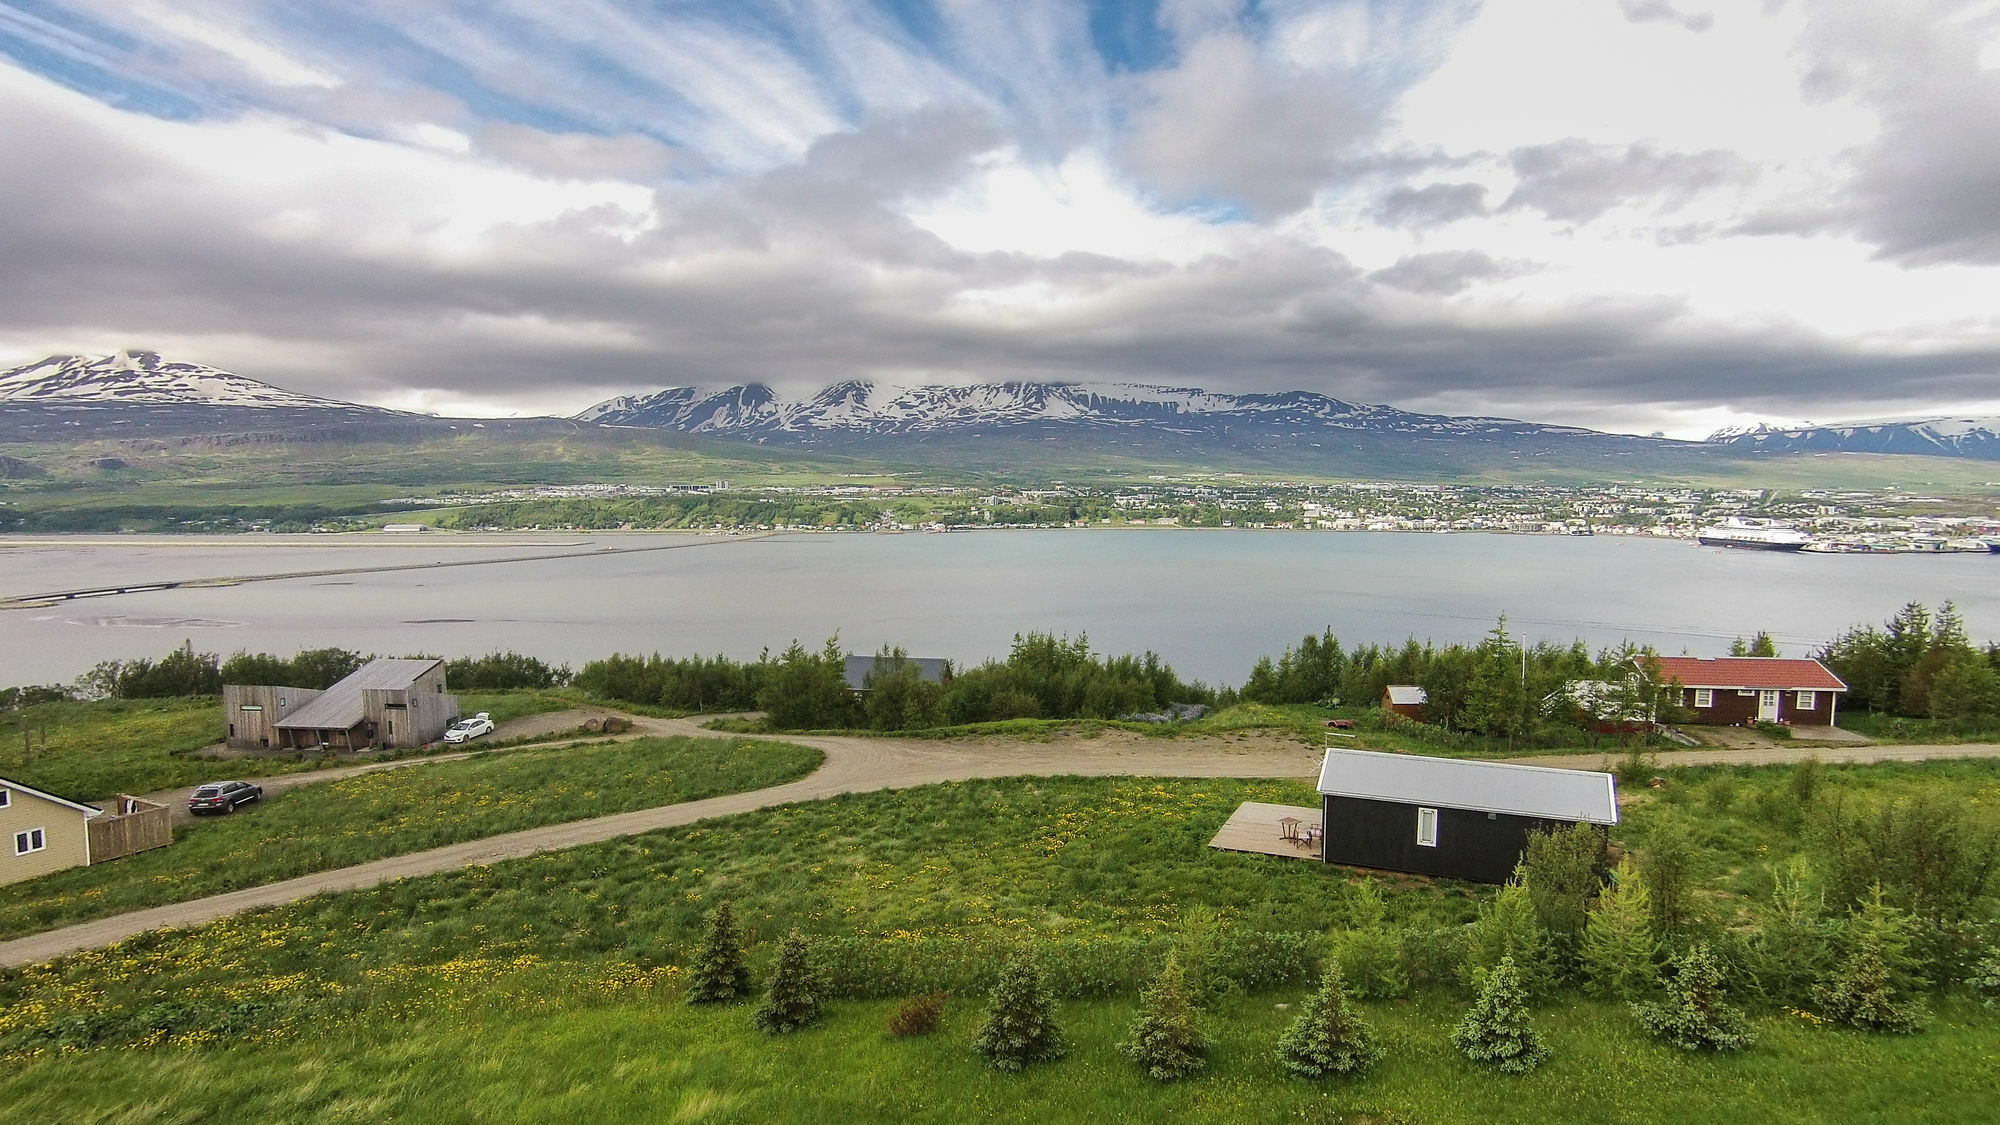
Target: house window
30 841
1704 697
251 707
6 797
1427 828
1808 700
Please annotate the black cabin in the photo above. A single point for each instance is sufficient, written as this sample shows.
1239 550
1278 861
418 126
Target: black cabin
1448 816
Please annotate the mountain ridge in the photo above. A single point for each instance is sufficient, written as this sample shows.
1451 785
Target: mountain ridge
1974 437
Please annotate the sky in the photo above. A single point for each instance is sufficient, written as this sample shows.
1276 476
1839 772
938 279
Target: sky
1635 215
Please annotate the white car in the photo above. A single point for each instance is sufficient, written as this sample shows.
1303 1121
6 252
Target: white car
466 729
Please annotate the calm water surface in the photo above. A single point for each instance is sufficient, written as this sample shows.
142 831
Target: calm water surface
1211 602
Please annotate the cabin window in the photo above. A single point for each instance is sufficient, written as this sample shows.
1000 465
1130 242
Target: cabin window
33 840
6 797
1808 700
251 707
1704 697
1427 828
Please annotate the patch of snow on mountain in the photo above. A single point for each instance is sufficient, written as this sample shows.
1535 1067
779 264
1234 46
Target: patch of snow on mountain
143 378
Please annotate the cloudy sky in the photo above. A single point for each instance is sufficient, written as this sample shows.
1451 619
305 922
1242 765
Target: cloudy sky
1630 214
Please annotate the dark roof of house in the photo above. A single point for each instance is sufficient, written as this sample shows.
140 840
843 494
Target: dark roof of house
88 811
341 707
858 668
1748 672
1457 783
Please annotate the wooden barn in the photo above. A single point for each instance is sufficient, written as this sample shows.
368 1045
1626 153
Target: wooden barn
1739 690
1407 700
1449 816
385 702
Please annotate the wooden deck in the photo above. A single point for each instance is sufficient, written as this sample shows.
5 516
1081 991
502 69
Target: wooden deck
1253 827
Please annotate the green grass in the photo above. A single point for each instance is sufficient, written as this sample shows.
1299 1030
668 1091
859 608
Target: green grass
511 992
96 750
536 1044
395 811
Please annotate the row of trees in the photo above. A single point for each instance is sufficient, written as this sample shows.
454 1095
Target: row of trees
1496 688
1043 676
1919 664
185 672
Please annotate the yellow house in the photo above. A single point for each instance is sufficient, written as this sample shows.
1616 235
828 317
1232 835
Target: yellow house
40 832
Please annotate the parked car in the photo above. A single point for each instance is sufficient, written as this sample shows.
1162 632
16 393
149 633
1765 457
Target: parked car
465 729
223 797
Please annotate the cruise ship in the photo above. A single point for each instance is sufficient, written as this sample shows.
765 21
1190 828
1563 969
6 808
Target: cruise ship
1756 536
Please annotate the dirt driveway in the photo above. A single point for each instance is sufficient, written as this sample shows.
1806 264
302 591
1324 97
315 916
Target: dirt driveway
853 764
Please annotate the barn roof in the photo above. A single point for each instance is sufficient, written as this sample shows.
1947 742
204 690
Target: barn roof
1458 783
1748 672
1407 695
858 668
340 707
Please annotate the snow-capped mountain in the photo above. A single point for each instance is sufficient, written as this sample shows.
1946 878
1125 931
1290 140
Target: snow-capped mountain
859 409
1951 437
143 378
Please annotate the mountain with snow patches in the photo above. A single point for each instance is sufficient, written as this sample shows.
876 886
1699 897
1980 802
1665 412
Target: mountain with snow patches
144 379
1977 438
856 411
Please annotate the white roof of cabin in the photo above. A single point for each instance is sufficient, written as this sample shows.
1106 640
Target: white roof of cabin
1457 783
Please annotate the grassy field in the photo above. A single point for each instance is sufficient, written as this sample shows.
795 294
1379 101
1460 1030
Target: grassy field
95 750
549 986
392 812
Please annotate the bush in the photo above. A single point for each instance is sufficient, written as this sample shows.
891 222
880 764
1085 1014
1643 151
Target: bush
1667 866
1563 870
919 1015
1369 953
1507 931
793 1000
1694 1016
1020 1025
1166 1039
719 975
1791 950
1985 979
1924 856
1496 1032
1617 954
1329 1037
1875 984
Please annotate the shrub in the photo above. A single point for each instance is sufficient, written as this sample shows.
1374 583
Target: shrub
793 1000
1694 1016
919 1015
1925 855
1873 986
1667 865
1618 949
1792 948
1329 1037
1369 953
1985 979
1020 1025
1563 870
1166 1038
1507 931
1496 1032
719 975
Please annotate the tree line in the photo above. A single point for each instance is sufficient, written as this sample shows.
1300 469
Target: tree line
187 672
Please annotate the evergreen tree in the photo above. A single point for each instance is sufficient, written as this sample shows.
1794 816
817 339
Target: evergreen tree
1369 953
1496 1031
1563 870
719 975
793 1001
1166 1037
1791 950
1617 955
1020 1025
1694 1016
1507 930
1667 865
1874 985
1329 1037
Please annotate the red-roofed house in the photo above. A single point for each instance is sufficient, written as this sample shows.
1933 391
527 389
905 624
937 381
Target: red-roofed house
1736 690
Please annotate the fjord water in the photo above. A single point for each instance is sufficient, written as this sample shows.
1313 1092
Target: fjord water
1210 602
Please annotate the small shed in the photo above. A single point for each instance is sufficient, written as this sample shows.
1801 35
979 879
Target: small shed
1449 816
1407 700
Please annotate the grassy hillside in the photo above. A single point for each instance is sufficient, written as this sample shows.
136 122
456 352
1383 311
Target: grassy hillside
550 985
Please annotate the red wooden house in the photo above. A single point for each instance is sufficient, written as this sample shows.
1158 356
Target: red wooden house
1738 690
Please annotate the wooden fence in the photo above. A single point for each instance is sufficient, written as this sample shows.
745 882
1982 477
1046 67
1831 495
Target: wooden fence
130 825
